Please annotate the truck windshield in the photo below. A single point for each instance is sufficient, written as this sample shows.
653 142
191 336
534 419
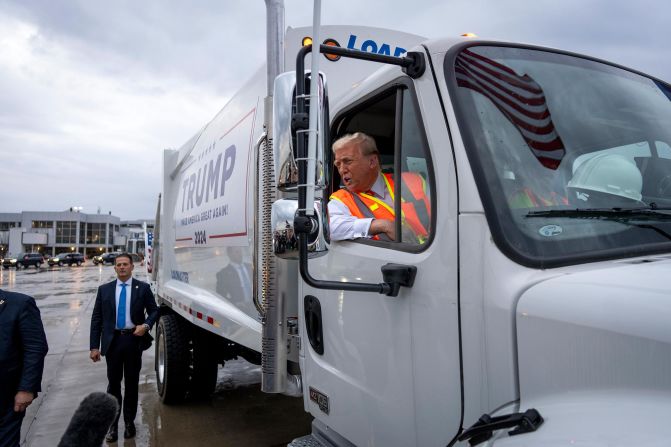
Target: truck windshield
548 132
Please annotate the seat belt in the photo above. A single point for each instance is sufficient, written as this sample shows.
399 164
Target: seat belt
369 214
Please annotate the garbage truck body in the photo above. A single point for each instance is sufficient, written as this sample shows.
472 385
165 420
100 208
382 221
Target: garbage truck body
534 311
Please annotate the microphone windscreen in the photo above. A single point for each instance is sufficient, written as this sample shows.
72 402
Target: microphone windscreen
91 421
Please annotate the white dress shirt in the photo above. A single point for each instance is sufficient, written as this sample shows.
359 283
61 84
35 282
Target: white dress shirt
344 225
245 281
129 282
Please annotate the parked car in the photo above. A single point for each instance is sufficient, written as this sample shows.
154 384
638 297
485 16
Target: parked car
28 259
67 258
9 261
106 258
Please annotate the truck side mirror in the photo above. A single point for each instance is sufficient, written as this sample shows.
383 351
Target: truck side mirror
285 131
285 239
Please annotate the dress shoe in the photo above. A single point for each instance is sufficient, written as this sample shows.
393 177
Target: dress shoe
112 434
129 431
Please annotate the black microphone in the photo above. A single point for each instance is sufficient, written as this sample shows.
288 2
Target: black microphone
91 421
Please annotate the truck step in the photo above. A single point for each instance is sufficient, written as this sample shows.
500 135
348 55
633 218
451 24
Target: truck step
306 441
321 436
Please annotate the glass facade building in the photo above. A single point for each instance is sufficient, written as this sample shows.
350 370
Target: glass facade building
58 232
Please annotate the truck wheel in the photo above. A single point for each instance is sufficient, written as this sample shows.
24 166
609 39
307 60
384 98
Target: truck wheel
79 263
172 359
60 264
204 366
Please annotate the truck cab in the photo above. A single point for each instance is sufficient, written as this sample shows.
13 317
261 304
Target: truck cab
540 285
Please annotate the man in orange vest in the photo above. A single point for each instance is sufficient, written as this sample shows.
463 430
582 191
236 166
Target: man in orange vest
365 206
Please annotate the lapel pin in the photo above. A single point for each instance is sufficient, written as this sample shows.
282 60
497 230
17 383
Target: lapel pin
2 302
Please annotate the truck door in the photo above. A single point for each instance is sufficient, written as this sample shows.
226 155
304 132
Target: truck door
384 370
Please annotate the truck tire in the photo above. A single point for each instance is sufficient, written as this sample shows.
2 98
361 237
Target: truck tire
172 359
204 366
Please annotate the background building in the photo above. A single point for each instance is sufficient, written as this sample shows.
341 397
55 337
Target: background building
50 233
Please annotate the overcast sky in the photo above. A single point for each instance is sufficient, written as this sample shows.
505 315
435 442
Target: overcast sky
92 91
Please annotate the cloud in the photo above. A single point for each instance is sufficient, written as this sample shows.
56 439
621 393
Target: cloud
92 92
77 130
189 41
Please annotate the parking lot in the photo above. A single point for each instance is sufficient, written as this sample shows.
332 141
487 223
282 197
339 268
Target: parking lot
238 414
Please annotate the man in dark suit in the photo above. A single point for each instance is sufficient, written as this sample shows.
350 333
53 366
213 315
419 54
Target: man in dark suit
234 282
124 311
23 346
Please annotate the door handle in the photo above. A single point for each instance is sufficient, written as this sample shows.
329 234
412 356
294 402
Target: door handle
313 323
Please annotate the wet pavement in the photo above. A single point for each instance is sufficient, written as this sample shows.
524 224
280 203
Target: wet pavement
238 414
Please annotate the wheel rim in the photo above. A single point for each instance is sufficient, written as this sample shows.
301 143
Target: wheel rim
160 369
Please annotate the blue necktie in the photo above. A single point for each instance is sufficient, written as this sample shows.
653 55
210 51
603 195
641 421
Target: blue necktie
121 312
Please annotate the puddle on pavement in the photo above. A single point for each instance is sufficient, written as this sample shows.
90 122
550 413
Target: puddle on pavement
238 413
72 305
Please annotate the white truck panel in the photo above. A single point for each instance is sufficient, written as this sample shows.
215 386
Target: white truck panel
572 330
207 210
613 418
209 311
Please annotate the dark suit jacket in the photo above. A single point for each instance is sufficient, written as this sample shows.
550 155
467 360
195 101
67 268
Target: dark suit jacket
23 345
143 309
229 285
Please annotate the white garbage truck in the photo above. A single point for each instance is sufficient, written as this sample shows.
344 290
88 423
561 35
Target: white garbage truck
535 310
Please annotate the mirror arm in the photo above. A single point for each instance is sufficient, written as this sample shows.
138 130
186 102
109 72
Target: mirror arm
304 226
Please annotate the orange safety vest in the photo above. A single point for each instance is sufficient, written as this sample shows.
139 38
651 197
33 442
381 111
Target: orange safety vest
526 198
412 206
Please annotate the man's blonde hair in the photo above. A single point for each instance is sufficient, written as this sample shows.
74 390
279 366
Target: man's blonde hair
365 142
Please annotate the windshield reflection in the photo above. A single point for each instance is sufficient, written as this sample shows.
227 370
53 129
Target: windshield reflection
550 131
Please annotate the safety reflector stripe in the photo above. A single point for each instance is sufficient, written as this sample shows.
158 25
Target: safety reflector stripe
201 316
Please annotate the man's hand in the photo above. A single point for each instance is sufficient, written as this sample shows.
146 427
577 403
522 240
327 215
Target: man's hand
22 400
95 355
379 226
388 227
140 330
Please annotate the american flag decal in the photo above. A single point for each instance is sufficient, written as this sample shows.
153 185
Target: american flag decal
519 98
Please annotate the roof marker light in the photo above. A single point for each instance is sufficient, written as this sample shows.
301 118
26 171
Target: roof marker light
331 43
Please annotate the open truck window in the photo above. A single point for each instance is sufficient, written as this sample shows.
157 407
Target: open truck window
392 119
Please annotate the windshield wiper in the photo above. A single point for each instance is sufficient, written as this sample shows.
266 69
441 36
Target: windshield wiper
653 213
620 215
